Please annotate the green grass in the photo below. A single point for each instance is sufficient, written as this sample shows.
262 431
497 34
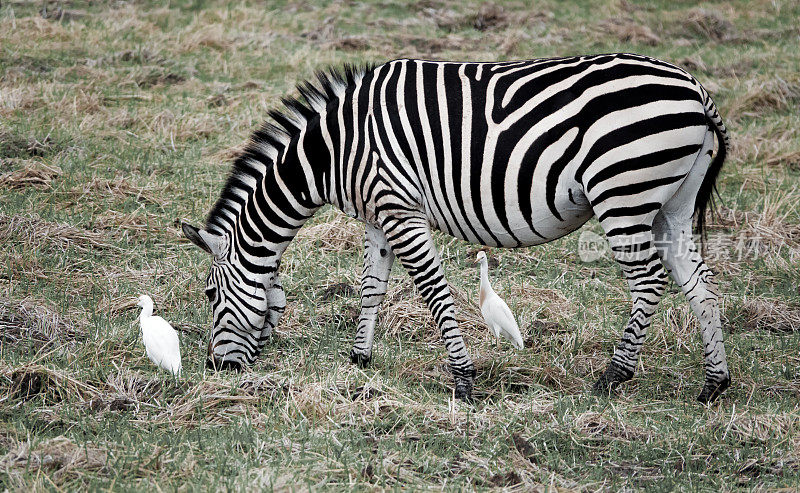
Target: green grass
135 109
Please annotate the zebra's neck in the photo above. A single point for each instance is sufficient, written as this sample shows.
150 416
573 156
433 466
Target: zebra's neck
284 175
270 203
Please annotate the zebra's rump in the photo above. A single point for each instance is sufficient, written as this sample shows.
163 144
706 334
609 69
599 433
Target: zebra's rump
507 153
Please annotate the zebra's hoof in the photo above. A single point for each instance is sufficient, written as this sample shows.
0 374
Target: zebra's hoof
610 380
464 392
712 390
359 359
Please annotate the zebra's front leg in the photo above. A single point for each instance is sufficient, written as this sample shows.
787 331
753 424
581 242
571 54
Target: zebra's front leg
641 264
378 260
413 245
276 305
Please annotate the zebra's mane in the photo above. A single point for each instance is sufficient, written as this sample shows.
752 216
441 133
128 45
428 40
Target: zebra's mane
272 138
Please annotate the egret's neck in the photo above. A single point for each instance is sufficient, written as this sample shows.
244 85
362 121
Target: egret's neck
485 273
147 311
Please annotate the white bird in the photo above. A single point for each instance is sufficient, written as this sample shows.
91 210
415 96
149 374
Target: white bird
160 339
495 311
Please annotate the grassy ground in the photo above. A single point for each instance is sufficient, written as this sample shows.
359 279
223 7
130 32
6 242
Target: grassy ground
118 119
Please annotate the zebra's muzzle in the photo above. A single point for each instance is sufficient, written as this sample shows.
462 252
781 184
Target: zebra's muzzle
218 364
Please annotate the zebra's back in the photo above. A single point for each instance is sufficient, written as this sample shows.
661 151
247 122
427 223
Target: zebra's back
515 153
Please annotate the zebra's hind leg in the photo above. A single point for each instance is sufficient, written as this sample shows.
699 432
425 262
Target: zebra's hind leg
378 260
672 227
411 240
682 259
640 263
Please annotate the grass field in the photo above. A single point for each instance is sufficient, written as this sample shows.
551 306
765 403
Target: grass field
119 119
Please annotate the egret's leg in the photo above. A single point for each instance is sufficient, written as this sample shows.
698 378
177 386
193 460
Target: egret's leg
378 260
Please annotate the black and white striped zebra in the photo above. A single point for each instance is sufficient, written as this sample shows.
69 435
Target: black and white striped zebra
507 154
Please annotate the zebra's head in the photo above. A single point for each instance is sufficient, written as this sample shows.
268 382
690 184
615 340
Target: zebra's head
238 303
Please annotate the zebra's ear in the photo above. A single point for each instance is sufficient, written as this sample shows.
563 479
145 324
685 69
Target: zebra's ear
209 242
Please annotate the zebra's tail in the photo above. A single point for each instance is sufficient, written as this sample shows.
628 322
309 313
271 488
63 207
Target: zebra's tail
705 196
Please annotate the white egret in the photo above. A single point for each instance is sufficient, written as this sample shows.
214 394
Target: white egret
495 311
160 339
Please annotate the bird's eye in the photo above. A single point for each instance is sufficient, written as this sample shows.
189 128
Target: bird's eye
211 293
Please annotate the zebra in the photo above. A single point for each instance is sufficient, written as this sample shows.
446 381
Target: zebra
503 154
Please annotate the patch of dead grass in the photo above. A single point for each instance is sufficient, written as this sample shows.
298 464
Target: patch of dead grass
773 148
501 375
29 173
60 458
139 224
213 36
158 77
353 42
595 424
627 30
140 56
489 16
761 96
53 385
710 24
178 128
32 231
16 98
551 303
26 147
29 321
425 46
762 427
121 187
768 233
405 315
768 314
336 234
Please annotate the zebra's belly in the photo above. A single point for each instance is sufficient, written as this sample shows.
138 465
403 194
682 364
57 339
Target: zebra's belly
519 229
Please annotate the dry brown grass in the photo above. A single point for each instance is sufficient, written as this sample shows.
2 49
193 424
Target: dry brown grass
770 315
28 321
32 232
405 315
711 24
59 458
771 233
627 30
550 304
139 224
20 146
120 186
29 173
759 96
599 425
488 16
337 234
770 147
